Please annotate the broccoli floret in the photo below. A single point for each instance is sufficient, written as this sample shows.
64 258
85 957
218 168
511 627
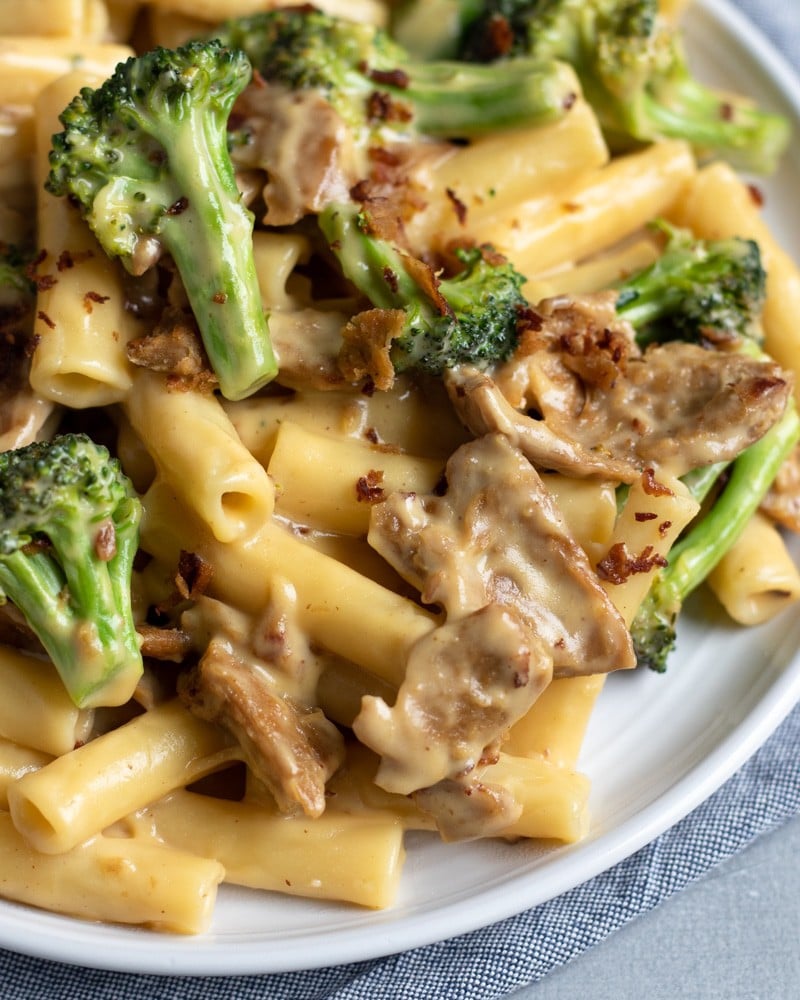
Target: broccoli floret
146 157
17 288
698 290
373 84
693 557
17 302
469 318
68 534
634 71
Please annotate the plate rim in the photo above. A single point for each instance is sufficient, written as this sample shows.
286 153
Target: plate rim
80 943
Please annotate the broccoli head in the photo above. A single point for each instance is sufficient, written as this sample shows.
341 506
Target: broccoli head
17 306
69 522
146 158
372 83
468 318
634 71
17 288
698 290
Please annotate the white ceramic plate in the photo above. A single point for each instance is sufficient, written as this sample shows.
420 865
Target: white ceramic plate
657 745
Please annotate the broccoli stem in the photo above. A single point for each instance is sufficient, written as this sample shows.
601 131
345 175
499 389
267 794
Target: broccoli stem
746 136
373 265
701 548
752 473
359 69
465 99
209 235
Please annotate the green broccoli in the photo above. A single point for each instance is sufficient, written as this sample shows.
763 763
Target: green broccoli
693 557
634 72
68 534
372 83
697 290
469 318
17 288
17 307
146 157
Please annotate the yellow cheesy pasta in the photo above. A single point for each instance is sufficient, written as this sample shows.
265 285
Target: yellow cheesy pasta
381 592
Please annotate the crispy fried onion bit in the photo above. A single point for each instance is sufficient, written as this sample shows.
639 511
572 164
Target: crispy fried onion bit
522 606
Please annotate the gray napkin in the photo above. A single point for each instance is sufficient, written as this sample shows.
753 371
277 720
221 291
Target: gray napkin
780 22
493 962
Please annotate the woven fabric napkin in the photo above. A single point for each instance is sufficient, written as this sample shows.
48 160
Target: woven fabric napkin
780 22
493 962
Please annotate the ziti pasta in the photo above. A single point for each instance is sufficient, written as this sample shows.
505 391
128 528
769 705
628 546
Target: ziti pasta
382 413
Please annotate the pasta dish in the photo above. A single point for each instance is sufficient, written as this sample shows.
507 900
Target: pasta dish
377 378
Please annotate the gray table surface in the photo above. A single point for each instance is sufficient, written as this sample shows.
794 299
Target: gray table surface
732 935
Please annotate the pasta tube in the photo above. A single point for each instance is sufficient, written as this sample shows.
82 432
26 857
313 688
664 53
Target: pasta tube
16 135
35 710
216 11
492 175
331 483
554 799
74 19
114 879
16 760
197 451
29 63
593 212
332 599
81 793
756 579
352 858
